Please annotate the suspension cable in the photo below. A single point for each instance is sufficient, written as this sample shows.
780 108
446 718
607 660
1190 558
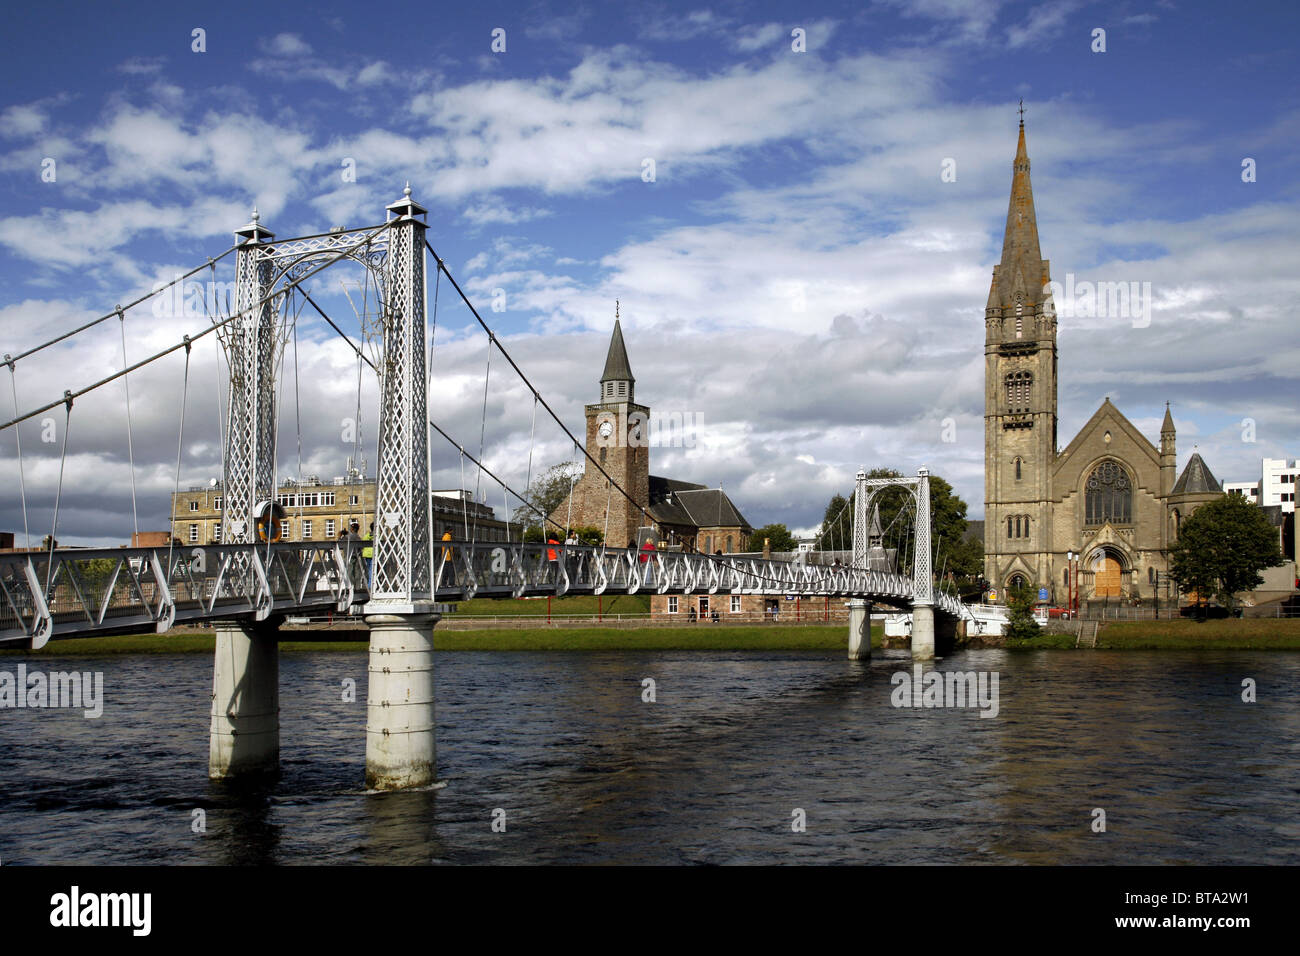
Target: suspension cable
58 494
130 305
544 403
130 445
18 435
180 444
189 340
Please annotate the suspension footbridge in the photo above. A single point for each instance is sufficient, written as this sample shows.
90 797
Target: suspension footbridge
249 582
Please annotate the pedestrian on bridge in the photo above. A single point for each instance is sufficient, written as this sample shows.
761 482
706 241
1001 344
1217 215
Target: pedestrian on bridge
368 552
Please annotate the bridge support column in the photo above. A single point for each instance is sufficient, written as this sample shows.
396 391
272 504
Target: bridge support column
922 632
400 741
244 734
859 630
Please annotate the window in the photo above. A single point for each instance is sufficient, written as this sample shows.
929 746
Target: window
1109 495
329 528
1010 525
1017 469
735 604
1151 575
194 532
354 499
327 498
672 604
1019 385
216 533
622 389
306 528
704 606
728 544
1065 578
216 504
194 506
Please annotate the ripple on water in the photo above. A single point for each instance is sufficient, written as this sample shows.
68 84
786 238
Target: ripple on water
715 771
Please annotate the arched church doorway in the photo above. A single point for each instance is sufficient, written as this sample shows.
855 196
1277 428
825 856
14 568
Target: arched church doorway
1107 574
1016 581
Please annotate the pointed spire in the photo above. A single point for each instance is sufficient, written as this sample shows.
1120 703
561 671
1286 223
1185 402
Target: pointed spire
1167 426
1021 274
617 368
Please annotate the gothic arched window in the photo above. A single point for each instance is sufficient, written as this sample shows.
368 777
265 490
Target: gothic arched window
1010 525
1017 469
1109 495
1019 385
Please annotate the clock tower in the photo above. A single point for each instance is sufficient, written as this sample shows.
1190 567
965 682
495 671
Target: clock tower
618 437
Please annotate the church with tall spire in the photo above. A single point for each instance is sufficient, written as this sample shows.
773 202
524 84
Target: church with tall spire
1111 497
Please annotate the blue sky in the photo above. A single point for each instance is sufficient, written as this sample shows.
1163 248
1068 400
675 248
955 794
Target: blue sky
798 277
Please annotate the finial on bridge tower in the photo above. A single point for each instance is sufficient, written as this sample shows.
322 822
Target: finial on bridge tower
407 191
256 215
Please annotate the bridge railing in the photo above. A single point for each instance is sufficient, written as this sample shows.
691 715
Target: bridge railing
112 590
104 590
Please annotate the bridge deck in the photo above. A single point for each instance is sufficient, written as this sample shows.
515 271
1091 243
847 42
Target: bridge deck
77 592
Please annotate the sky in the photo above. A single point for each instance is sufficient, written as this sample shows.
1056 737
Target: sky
798 215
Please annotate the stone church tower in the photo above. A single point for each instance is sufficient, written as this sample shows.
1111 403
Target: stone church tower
1097 518
1019 393
618 431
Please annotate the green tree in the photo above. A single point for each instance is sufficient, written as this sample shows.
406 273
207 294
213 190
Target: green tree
779 536
1221 548
1020 619
836 533
549 491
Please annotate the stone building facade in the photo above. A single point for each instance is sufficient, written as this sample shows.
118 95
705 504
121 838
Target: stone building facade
318 510
1111 497
672 513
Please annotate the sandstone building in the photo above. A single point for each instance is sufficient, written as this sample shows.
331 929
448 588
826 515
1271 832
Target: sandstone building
1111 496
672 513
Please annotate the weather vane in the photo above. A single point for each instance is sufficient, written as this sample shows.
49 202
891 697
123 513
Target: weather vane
1022 111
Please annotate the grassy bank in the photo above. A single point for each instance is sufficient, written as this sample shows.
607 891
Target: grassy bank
576 606
1242 634
702 638
1261 634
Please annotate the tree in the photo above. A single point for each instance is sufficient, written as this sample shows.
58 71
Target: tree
1221 548
1020 620
549 491
779 536
836 532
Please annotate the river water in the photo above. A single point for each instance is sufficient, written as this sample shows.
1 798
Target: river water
715 770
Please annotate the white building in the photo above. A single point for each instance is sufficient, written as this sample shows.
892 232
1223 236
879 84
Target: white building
1276 484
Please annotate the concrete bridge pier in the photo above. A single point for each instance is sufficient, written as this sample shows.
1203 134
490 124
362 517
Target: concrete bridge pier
400 742
923 632
244 733
859 630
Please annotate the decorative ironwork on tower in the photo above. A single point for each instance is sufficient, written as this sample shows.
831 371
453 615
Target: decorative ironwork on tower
250 343
403 535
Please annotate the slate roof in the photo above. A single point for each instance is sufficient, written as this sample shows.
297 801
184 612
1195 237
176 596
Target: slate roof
1196 479
617 368
685 503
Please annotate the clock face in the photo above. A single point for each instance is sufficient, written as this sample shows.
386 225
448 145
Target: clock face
606 429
